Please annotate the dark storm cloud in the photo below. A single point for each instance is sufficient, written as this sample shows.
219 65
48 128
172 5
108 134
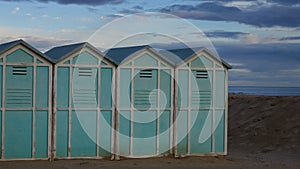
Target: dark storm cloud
287 16
270 64
290 38
133 10
261 56
93 10
78 2
138 7
224 34
284 2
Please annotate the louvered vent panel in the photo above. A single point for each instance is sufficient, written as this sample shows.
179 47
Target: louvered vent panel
146 73
84 96
201 74
201 98
20 97
144 98
85 72
20 70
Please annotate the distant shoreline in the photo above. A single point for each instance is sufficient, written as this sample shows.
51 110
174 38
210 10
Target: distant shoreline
264 91
257 95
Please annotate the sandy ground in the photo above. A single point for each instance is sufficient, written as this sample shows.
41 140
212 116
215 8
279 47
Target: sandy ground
264 132
245 162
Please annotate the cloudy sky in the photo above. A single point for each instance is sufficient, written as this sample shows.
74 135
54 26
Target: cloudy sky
260 38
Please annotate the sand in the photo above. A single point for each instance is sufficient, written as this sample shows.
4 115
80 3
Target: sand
264 124
265 129
264 132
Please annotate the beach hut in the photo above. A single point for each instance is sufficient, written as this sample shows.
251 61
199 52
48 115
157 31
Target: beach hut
143 102
25 101
83 111
201 107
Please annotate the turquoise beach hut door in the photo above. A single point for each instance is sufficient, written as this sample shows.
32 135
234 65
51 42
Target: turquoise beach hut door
25 101
144 117
201 127
18 123
144 125
83 107
201 113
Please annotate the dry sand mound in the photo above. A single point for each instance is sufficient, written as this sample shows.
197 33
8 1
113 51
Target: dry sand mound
261 124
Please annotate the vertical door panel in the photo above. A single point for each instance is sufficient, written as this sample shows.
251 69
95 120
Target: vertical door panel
201 130
62 91
83 134
183 88
41 142
124 133
144 133
164 130
219 134
125 88
165 87
1 133
220 89
18 134
1 79
106 88
105 133
62 127
182 130
42 87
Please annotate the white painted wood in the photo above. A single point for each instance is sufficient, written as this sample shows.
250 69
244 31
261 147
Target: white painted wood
70 109
213 109
113 128
53 149
50 112
195 68
34 111
3 106
117 114
24 64
190 74
226 114
142 109
87 108
131 111
176 109
172 110
85 65
158 111
98 111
